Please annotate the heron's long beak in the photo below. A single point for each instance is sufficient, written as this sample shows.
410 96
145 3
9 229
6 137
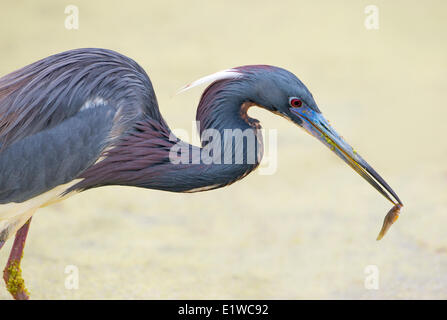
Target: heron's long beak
315 124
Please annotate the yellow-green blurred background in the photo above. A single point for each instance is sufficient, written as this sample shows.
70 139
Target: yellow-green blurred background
308 231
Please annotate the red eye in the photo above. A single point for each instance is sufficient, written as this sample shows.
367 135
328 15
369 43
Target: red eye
296 103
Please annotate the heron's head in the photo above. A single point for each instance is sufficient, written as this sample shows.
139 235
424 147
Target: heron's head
282 93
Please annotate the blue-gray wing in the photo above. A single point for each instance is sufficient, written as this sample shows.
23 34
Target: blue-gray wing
42 161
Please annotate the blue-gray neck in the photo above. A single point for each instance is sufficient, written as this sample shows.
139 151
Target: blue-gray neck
231 148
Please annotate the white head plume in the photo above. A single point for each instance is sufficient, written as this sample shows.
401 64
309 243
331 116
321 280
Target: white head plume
221 75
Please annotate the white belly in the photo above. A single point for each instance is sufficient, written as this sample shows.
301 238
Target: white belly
14 215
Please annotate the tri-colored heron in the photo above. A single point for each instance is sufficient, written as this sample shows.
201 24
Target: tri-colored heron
87 118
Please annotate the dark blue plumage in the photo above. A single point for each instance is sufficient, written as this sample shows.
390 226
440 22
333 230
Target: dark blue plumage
52 92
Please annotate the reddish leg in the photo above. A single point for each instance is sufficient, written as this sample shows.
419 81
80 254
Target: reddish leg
12 273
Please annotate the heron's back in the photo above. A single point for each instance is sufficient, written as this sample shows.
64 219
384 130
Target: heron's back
49 91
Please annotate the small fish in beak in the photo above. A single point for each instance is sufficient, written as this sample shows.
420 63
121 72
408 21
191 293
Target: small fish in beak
390 218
